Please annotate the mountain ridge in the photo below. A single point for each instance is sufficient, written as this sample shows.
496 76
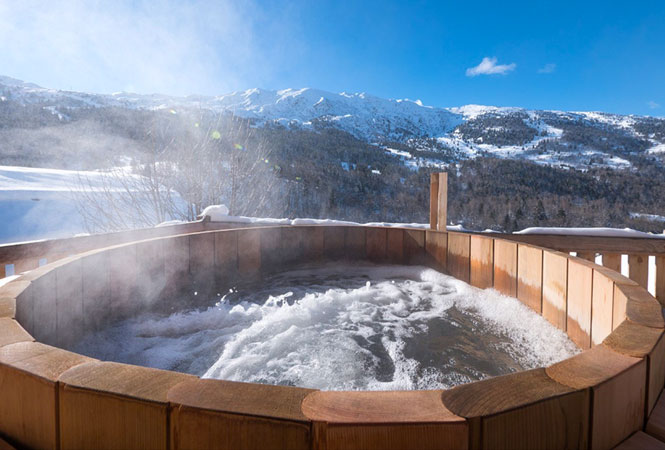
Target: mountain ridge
576 139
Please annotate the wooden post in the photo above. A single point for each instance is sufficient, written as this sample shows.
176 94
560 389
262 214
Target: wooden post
433 200
638 269
612 261
442 210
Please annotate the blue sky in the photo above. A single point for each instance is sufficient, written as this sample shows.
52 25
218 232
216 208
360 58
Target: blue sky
605 56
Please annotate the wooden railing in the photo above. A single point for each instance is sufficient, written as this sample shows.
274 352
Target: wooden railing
612 250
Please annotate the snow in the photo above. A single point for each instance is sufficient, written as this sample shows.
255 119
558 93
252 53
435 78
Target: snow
219 213
658 148
598 231
651 217
473 111
38 203
367 117
170 223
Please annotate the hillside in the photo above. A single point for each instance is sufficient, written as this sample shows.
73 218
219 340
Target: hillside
363 158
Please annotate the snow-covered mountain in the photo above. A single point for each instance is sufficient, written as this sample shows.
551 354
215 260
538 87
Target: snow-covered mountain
556 138
365 116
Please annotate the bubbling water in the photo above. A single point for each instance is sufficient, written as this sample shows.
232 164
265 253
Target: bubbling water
343 328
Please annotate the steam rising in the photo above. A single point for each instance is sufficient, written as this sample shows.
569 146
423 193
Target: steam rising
142 46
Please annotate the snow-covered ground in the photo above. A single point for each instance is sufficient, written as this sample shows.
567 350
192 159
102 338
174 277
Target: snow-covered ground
37 203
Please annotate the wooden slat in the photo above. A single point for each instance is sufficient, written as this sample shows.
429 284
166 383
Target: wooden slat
29 372
555 284
436 248
333 242
602 307
638 269
482 262
522 410
354 242
106 405
612 261
312 243
459 251
414 247
249 252
660 279
530 276
505 267
395 245
376 244
640 341
384 421
618 387
578 326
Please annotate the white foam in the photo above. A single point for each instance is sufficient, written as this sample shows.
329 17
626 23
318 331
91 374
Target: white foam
325 333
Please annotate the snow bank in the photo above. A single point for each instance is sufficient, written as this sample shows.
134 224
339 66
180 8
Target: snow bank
220 213
599 231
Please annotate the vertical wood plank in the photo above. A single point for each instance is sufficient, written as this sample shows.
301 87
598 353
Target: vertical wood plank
612 261
530 276
442 208
433 200
414 246
376 244
660 278
505 267
272 258
333 242
459 250
618 409
482 262
249 252
580 281
602 307
226 257
202 262
436 247
555 284
69 300
638 269
291 244
395 245
619 307
312 242
354 242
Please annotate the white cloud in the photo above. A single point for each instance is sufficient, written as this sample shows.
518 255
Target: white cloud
488 66
146 46
547 68
653 105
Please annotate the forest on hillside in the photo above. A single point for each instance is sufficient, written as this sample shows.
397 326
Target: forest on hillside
327 173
